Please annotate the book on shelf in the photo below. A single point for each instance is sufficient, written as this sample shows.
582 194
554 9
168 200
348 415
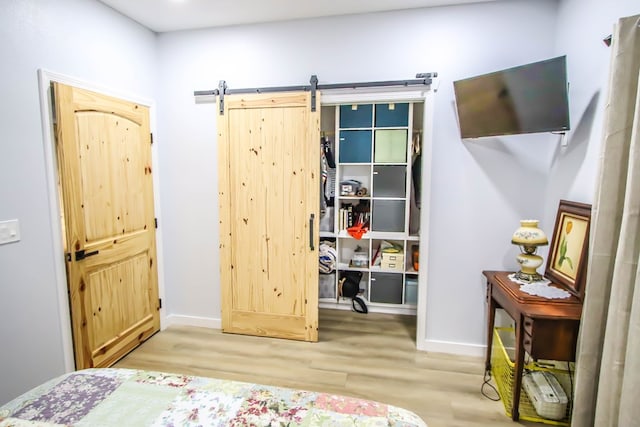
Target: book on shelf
350 215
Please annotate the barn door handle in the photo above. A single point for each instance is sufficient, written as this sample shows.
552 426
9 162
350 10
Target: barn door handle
311 231
81 254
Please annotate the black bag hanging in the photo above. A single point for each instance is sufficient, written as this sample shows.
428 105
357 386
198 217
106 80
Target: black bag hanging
349 286
359 306
327 153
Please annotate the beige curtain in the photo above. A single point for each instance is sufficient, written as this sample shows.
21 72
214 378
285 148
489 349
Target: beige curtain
607 383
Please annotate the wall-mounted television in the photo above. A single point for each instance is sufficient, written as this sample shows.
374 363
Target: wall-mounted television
525 99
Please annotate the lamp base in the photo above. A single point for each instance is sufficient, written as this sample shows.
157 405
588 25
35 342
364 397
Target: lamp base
528 277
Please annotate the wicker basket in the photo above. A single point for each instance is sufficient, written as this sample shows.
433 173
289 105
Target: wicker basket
503 368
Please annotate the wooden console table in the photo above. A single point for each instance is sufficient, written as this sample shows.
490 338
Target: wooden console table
545 328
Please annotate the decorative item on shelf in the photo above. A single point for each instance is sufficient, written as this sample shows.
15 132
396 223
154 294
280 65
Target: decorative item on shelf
349 187
358 230
360 258
528 237
415 256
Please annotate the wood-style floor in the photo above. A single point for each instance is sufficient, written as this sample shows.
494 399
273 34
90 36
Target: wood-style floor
372 356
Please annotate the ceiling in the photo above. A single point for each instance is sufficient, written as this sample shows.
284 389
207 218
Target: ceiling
172 15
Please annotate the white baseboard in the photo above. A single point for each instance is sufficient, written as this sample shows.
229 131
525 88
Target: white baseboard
461 349
202 322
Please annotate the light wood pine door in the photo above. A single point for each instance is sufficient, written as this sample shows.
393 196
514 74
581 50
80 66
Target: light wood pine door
104 161
269 159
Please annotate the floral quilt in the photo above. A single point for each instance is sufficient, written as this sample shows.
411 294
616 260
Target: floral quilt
126 397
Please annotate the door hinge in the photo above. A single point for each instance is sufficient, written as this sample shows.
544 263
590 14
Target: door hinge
155 221
151 138
159 302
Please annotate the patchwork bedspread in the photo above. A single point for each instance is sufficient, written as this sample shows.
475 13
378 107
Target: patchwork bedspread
126 397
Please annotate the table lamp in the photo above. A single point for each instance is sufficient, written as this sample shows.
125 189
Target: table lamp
528 237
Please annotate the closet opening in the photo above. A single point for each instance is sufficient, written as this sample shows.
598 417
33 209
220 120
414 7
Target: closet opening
371 206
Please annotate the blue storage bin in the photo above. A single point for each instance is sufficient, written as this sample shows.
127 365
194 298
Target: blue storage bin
392 115
355 146
411 290
356 116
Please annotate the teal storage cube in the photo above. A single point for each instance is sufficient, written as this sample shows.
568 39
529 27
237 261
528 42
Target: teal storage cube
391 146
355 146
392 115
356 116
411 290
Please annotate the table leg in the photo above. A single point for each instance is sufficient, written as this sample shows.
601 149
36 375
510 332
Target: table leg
517 375
491 318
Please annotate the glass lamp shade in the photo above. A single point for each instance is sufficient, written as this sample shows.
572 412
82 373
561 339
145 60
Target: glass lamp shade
528 236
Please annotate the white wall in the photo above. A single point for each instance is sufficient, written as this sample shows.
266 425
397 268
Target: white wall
476 201
79 38
582 25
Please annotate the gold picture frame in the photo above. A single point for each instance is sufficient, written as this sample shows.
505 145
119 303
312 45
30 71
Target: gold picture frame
568 253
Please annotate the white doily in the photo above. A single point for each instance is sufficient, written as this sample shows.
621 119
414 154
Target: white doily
513 278
541 289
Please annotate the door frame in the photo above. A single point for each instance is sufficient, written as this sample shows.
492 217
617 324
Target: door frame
45 77
405 94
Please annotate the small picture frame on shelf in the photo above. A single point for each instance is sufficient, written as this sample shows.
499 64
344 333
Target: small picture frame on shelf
568 253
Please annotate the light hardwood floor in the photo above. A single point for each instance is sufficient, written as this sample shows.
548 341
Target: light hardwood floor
372 356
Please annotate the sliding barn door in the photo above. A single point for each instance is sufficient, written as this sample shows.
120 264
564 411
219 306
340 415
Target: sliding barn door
104 161
269 201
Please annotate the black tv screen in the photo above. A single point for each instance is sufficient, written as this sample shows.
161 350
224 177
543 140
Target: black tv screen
526 99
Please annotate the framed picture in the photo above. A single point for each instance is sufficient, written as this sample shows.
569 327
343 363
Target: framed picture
567 259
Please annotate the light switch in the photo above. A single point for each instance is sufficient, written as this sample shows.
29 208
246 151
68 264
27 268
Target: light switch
9 231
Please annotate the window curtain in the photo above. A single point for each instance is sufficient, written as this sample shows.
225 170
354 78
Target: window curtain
607 383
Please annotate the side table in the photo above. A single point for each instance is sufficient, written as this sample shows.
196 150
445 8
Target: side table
545 328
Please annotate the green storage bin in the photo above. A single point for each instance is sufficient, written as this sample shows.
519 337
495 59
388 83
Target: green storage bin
390 146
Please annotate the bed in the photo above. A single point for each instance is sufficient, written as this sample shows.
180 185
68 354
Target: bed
128 397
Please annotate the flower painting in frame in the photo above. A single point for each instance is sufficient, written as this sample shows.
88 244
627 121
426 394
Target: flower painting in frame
567 260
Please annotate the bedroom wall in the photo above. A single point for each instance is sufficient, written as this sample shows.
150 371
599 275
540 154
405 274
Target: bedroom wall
82 39
476 201
582 24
